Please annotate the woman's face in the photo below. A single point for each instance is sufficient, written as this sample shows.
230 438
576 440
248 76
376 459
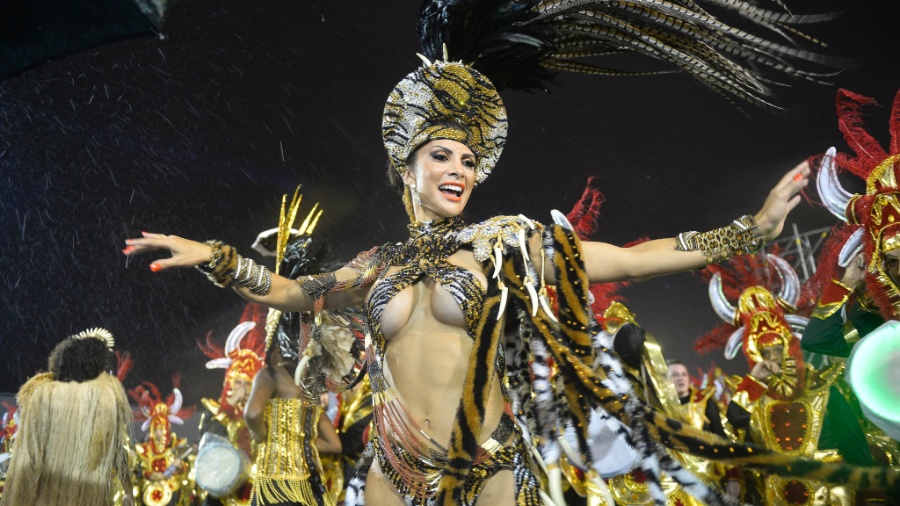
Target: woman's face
443 172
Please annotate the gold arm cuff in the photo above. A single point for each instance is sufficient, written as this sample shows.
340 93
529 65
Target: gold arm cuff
851 335
737 238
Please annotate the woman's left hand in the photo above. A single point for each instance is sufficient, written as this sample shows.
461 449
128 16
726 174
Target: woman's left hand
783 197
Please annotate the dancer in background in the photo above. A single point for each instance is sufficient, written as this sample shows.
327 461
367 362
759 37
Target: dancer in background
284 413
164 467
242 358
291 432
73 428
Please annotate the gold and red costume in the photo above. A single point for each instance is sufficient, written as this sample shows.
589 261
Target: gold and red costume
162 458
873 219
787 411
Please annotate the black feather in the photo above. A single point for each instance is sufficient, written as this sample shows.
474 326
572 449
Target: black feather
524 44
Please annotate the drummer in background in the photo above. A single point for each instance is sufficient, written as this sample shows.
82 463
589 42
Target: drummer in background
290 433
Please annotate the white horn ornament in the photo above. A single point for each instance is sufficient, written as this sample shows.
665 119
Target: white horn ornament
718 300
176 402
852 247
735 342
833 195
790 283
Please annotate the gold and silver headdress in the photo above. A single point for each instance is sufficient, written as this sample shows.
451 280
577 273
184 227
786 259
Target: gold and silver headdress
445 100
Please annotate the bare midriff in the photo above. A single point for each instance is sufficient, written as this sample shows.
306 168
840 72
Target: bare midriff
427 355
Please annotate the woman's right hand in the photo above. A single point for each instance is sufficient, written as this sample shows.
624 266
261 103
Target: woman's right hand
185 253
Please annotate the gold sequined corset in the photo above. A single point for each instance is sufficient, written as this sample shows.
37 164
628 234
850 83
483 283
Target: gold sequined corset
290 442
425 255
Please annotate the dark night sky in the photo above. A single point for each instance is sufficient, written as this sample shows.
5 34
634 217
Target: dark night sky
199 133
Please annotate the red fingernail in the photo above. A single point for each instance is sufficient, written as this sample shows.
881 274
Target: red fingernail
128 250
155 267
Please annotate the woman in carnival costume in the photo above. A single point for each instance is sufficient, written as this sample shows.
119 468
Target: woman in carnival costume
72 436
286 418
457 315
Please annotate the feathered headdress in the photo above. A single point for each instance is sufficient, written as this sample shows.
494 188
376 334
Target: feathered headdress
523 44
877 212
762 317
156 412
243 353
329 343
473 48
762 321
297 254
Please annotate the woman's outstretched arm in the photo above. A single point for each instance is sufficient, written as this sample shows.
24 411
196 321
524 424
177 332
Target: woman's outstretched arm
606 263
283 294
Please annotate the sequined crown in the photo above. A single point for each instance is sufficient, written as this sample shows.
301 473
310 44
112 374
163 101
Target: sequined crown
445 100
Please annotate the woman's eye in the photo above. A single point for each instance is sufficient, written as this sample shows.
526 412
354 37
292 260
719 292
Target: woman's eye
439 156
469 164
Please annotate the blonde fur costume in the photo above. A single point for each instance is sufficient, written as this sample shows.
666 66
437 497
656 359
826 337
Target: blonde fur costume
70 447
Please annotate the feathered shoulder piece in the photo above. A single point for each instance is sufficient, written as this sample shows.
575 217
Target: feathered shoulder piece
523 44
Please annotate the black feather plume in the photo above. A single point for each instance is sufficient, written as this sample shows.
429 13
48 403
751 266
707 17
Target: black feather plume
524 44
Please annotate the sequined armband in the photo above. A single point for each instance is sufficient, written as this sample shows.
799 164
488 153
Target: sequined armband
368 265
318 285
737 238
